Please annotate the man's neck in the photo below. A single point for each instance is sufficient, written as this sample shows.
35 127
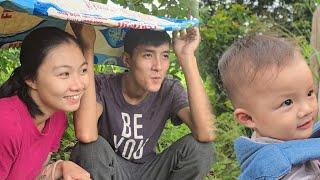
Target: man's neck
131 90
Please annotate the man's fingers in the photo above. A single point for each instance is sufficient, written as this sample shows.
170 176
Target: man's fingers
83 177
78 177
175 34
183 33
189 34
76 27
193 33
67 178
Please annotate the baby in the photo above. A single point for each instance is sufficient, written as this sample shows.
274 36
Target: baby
271 88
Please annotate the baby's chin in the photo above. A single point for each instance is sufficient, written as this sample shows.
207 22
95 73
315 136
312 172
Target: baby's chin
300 137
305 135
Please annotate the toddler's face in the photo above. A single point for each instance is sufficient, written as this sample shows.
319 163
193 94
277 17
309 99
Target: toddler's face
283 103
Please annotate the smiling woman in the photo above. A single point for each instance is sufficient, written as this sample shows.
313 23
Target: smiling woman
50 81
61 80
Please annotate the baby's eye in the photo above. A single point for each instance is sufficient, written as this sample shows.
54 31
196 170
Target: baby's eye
310 93
84 71
287 102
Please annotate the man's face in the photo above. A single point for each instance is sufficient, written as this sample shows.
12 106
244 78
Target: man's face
283 104
149 65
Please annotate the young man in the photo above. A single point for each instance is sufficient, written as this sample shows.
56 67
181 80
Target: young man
271 88
132 108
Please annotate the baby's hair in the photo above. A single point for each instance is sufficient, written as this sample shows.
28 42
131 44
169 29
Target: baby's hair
252 55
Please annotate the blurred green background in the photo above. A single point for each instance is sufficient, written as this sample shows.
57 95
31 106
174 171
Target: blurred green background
222 22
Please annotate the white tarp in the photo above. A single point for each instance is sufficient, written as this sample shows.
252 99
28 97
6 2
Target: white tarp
19 17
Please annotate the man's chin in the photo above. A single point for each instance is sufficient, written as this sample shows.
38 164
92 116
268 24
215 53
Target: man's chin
154 88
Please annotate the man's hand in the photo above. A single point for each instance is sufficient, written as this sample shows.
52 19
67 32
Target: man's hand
85 34
198 115
86 117
186 44
70 171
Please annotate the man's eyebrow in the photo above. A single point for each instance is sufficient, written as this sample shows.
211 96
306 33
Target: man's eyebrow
151 50
148 50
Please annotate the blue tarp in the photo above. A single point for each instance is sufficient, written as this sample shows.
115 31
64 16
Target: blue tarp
111 21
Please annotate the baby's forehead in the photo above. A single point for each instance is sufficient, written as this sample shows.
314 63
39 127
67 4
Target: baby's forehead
251 77
289 78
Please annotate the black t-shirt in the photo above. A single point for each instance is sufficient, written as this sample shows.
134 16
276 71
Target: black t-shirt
133 130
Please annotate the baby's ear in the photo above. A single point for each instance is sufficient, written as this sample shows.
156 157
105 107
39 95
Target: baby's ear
243 117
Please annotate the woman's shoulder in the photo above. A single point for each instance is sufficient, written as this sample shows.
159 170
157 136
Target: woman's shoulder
10 118
7 99
10 112
9 107
60 116
60 120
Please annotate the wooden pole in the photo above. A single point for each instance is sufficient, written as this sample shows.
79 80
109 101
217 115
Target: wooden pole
315 42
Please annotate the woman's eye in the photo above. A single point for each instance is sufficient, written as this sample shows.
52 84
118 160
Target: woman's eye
310 93
287 102
64 75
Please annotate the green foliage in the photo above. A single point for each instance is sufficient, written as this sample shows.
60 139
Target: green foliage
101 1
67 142
226 166
175 70
171 134
172 8
294 16
101 68
223 22
8 61
218 33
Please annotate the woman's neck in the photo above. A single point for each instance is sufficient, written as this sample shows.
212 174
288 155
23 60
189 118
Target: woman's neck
40 120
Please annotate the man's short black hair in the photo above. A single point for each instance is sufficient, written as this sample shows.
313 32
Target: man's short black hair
136 37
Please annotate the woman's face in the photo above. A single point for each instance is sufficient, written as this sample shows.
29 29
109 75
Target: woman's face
61 80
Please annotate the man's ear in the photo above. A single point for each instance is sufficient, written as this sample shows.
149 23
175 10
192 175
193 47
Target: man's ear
31 83
126 59
243 117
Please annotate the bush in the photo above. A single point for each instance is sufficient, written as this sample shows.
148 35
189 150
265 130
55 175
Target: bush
9 59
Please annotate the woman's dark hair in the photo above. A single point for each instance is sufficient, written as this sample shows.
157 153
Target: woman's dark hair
34 49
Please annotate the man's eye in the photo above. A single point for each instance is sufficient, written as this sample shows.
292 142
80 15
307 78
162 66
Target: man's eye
310 93
166 56
147 55
287 102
